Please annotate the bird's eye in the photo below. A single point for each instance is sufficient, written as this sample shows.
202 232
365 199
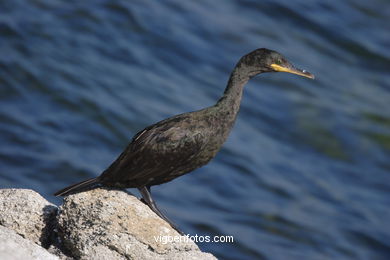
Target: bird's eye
279 61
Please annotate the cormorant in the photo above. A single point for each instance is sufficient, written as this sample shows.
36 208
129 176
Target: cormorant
182 143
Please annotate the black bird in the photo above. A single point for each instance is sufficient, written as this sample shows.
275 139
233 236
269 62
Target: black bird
185 142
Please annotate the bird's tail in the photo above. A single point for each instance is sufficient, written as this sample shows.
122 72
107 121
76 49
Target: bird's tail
78 187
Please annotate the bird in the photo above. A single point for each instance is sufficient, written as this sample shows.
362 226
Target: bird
182 143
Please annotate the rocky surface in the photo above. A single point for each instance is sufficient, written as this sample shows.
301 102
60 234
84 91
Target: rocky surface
15 247
28 214
98 224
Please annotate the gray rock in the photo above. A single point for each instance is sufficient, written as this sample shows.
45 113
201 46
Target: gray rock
113 224
98 224
15 247
28 214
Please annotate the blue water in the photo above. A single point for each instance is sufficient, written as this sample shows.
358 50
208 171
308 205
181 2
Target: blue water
305 173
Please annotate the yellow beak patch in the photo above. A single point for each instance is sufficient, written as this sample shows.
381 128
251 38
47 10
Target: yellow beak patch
303 73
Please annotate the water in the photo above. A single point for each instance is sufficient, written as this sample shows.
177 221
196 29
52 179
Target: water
305 172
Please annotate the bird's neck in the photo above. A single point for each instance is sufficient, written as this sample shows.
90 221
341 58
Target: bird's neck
229 103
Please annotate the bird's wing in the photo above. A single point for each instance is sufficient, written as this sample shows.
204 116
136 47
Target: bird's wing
161 149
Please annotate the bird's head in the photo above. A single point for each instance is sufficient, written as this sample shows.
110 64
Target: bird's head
264 60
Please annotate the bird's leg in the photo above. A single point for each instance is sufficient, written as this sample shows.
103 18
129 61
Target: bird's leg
148 200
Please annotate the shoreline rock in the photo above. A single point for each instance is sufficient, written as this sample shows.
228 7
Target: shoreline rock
97 224
15 247
28 214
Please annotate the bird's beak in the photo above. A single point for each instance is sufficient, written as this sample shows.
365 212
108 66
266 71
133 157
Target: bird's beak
293 70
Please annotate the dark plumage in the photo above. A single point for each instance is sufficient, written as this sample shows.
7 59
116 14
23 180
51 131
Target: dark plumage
182 143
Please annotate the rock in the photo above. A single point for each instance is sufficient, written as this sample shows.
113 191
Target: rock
113 224
28 214
15 247
98 224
